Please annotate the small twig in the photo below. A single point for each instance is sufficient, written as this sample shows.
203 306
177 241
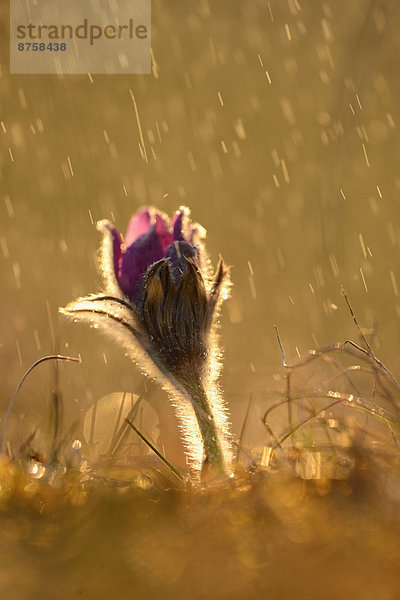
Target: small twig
154 449
282 403
288 381
307 420
27 442
282 349
271 433
343 371
369 350
312 355
376 360
360 333
350 402
25 375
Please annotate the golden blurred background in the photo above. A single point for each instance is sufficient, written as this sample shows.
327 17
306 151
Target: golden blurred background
277 123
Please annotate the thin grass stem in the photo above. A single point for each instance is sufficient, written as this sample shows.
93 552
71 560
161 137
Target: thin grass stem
4 428
154 449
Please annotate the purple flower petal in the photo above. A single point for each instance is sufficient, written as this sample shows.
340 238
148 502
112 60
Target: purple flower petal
193 235
177 224
162 229
138 225
183 229
145 251
151 236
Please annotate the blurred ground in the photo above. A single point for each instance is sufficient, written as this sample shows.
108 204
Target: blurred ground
264 537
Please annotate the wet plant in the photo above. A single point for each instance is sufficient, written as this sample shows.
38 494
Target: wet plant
161 302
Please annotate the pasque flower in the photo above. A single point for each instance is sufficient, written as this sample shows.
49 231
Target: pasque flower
161 302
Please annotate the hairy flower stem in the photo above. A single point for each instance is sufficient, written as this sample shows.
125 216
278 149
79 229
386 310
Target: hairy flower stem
214 459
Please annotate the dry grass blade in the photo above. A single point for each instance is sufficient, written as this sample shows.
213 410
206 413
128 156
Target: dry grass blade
154 449
57 406
123 431
381 403
25 375
368 350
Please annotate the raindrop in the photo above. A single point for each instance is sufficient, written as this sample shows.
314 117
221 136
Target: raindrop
36 469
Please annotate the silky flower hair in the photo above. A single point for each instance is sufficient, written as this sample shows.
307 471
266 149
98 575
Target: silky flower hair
161 302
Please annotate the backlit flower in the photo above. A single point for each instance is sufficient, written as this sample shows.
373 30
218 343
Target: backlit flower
161 301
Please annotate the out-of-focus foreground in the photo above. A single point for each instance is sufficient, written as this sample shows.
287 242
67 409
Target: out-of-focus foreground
266 536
